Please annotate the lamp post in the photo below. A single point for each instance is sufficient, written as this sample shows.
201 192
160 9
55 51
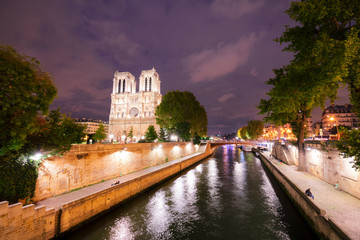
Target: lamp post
337 127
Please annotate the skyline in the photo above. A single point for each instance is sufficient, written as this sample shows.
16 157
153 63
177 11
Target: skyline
222 50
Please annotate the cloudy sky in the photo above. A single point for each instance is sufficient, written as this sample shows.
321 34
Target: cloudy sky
221 50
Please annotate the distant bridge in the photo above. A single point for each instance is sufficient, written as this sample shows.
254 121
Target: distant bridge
220 143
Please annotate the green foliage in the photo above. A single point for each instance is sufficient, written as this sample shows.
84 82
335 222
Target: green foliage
196 139
349 145
25 91
178 110
100 133
162 135
327 36
131 134
150 134
255 129
17 179
244 133
56 133
325 45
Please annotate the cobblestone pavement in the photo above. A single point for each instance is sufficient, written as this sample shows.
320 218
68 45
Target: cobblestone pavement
57 201
342 208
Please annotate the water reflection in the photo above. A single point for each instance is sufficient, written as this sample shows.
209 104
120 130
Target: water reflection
228 196
158 217
213 186
122 229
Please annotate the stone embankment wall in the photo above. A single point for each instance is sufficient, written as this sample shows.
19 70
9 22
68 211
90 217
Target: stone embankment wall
327 164
84 165
76 212
28 222
314 214
18 222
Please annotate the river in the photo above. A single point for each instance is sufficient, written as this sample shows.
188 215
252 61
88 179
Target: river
227 196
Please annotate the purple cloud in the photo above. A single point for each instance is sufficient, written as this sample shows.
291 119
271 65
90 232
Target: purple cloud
210 64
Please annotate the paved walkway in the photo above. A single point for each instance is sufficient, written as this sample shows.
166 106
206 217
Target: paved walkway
342 208
57 201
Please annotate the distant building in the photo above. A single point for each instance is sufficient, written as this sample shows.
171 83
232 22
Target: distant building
132 109
272 133
339 115
92 124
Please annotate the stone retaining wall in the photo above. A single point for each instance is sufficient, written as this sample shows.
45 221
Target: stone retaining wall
328 165
74 213
30 222
84 165
311 212
26 222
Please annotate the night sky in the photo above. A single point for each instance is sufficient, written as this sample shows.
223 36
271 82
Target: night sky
221 50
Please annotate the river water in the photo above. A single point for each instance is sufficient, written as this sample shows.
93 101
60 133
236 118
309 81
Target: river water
227 196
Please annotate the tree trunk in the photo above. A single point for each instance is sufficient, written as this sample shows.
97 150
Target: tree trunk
301 145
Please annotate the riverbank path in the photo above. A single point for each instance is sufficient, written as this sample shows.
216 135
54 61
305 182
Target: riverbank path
342 208
57 201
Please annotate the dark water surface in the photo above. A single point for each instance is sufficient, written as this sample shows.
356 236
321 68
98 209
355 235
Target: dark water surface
227 196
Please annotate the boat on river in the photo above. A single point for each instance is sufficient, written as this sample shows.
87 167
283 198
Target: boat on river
246 148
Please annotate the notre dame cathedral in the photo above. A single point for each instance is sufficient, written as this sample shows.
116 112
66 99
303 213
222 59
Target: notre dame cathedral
131 108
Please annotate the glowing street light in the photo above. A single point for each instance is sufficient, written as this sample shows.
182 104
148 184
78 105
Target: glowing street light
174 138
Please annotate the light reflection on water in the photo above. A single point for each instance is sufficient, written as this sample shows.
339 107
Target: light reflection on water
228 196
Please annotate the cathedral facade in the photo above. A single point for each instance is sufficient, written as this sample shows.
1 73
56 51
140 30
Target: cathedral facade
132 109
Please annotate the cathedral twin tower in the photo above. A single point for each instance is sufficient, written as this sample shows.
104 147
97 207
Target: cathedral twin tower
131 109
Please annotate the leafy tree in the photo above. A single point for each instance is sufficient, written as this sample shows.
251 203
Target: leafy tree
54 134
178 110
244 133
25 91
196 139
131 134
162 135
349 145
325 46
255 129
100 133
150 134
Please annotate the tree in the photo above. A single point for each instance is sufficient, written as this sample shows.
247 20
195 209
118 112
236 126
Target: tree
150 134
100 133
255 129
162 135
325 46
25 91
178 110
131 134
244 133
54 134
328 34
349 145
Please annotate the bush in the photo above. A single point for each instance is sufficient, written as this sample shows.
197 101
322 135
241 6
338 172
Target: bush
17 179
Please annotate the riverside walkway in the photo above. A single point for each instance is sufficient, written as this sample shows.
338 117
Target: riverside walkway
342 208
57 201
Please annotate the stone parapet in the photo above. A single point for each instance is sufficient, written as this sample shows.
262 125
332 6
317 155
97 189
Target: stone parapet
26 222
84 164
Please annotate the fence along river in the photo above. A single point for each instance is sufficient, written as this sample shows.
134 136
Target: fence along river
227 196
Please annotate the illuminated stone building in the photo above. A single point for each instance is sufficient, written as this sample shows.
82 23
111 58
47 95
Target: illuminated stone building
339 115
92 124
132 109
